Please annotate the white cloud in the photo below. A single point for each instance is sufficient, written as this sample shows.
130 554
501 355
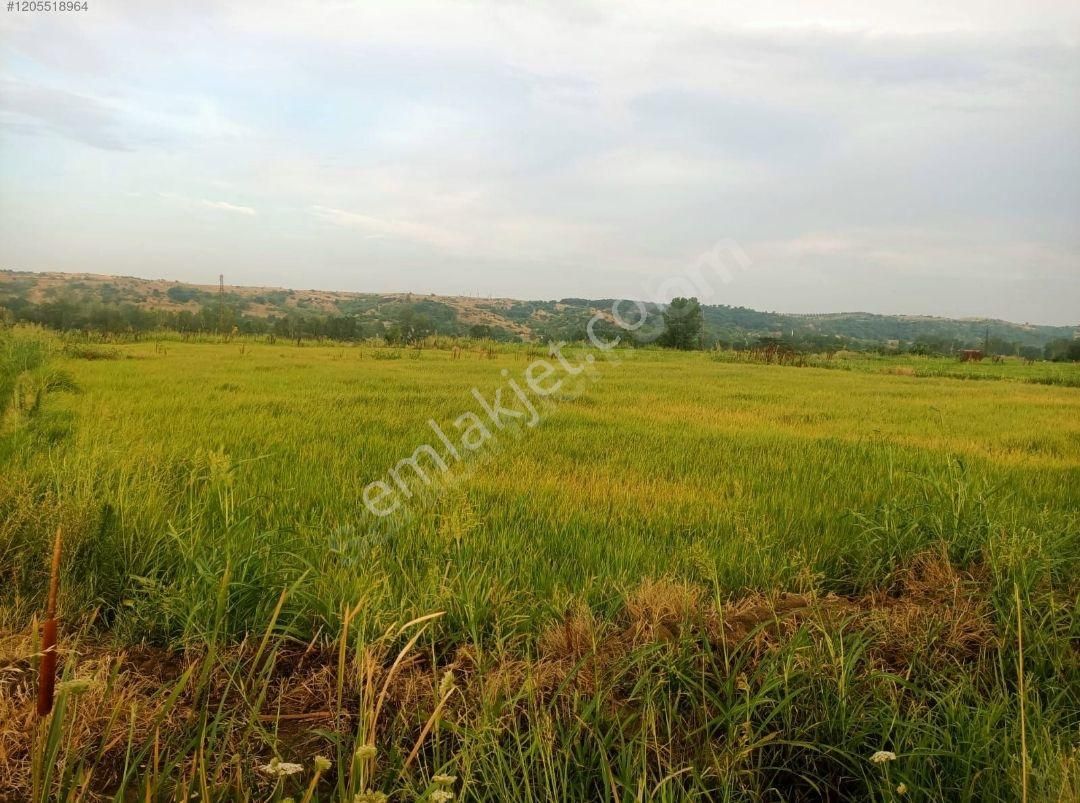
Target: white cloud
227 207
399 229
36 109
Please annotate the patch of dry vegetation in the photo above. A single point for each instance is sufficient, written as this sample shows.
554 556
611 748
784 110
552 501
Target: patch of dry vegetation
935 618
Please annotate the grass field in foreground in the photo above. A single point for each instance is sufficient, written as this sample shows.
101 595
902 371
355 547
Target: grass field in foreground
692 578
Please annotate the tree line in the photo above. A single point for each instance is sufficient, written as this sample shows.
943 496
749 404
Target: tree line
682 324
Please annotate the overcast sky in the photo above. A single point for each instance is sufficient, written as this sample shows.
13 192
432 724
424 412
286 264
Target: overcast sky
915 157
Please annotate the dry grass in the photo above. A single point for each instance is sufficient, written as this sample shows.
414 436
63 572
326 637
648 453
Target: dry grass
935 614
115 682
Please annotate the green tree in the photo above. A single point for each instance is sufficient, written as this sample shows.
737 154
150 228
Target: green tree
682 324
1063 350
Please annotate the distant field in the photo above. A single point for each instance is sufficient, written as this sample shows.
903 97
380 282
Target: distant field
693 577
1038 372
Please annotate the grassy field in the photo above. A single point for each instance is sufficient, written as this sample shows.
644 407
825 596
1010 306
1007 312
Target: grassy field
1011 369
692 577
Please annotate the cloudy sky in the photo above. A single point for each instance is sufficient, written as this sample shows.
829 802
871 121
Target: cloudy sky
919 157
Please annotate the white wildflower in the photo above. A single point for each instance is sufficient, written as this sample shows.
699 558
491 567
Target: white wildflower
370 797
882 756
365 751
280 769
446 685
77 686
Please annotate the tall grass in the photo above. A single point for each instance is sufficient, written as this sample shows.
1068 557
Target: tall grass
21 351
695 580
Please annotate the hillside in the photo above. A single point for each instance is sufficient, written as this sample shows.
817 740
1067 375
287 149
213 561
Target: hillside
124 303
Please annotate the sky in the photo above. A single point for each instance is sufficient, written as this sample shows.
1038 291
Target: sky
916 157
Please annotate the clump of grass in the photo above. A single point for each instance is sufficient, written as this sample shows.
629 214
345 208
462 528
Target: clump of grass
27 377
79 351
21 352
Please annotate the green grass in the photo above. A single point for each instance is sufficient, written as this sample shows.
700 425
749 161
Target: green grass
211 499
1012 369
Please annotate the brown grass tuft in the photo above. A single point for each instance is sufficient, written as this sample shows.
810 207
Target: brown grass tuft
938 615
658 610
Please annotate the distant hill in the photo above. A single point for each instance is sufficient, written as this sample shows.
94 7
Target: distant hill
124 303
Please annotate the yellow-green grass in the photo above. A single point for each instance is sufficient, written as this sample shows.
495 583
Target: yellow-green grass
173 467
662 455
1013 369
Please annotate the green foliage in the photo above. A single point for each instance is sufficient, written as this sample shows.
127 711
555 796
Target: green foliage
1063 350
181 294
683 323
26 380
21 351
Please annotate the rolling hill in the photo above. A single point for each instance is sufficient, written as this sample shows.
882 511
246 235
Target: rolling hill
124 303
